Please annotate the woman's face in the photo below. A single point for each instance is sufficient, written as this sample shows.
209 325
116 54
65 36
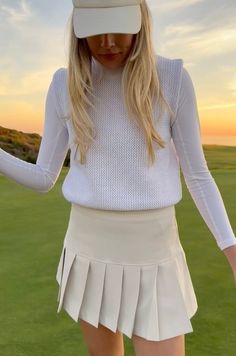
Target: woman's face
110 43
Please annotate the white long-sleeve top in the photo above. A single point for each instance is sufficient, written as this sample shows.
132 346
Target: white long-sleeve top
116 175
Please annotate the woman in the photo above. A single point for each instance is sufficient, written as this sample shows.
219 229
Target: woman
123 269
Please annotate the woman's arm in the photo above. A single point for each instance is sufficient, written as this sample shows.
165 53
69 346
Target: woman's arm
200 183
52 152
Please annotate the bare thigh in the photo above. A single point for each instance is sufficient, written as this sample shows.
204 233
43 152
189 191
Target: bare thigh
101 341
174 346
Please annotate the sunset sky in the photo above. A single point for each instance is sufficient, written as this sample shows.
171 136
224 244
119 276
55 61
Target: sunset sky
33 43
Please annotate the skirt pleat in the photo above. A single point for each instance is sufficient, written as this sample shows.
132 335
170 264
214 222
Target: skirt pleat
151 300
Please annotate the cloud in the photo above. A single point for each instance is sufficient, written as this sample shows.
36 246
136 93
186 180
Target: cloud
31 49
220 106
200 41
169 5
32 64
232 85
16 14
31 83
227 68
182 29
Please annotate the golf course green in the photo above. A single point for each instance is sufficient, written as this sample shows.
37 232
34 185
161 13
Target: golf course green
32 230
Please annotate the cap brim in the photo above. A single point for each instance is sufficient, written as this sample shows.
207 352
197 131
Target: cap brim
90 22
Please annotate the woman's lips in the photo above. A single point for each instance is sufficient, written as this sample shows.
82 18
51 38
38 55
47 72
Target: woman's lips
110 56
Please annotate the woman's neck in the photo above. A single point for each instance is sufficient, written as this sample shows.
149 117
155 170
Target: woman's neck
107 72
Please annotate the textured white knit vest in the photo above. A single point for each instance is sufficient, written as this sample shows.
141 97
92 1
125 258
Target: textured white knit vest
169 70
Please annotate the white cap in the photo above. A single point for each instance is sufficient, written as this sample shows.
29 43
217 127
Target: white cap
94 17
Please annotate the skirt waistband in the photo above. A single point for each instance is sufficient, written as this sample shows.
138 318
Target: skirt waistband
148 214
131 237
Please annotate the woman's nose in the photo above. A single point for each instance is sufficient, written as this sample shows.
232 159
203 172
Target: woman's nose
107 40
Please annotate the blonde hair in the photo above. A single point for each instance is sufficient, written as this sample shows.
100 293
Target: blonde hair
140 83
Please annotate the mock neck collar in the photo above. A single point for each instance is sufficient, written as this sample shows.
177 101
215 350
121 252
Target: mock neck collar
109 74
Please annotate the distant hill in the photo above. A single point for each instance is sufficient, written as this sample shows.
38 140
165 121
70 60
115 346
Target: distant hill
22 145
26 146
220 157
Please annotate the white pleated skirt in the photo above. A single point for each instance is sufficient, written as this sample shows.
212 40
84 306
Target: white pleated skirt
126 270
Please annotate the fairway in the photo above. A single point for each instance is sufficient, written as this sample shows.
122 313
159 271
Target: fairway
33 226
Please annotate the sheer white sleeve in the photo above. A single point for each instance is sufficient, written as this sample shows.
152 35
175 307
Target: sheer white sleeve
186 136
52 152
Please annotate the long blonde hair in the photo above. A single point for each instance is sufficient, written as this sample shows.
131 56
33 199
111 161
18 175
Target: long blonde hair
140 83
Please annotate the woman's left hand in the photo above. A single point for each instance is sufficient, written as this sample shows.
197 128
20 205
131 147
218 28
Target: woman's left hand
230 253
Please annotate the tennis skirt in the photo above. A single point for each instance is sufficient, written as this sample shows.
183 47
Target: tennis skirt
126 270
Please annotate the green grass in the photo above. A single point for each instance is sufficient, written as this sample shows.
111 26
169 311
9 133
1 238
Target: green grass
220 157
33 226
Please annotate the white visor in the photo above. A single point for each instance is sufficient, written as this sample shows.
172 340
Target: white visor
95 17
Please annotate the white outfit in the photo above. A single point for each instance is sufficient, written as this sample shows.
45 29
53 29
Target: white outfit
116 175
126 270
